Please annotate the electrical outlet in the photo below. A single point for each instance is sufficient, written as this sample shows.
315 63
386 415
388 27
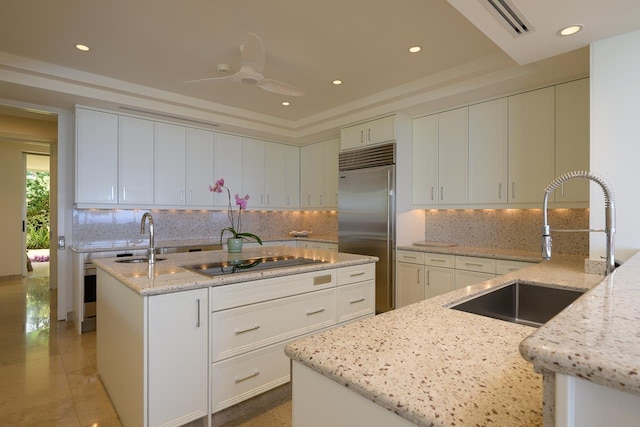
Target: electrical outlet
61 242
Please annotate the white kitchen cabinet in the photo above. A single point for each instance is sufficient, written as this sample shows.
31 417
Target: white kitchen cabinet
253 172
488 140
178 357
199 167
464 278
371 132
531 145
319 175
323 246
425 161
572 139
135 161
421 275
438 280
409 283
96 157
440 158
504 266
282 176
453 155
227 160
170 166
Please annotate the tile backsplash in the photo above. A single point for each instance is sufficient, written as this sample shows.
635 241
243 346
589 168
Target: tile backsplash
93 226
508 228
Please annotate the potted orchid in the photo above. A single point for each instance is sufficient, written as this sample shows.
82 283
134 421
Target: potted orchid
234 243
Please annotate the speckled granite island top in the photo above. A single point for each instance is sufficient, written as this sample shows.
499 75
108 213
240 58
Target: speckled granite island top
440 367
169 276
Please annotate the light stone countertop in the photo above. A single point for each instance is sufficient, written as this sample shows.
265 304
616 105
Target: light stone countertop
476 251
143 243
435 366
168 276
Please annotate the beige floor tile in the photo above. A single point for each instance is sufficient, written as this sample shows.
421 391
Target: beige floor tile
55 414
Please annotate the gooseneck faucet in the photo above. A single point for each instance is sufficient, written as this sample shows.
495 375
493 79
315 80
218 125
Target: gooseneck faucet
151 252
610 215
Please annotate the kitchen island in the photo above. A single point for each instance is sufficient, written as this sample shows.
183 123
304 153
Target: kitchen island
426 364
175 345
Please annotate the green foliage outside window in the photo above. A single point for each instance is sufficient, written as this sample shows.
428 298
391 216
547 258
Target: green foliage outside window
38 210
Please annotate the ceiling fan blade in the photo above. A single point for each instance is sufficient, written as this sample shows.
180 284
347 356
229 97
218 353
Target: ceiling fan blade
210 78
280 87
253 53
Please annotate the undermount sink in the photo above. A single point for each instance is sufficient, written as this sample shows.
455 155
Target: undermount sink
136 260
521 302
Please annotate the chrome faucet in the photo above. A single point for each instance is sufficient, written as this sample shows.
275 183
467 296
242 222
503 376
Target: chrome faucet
151 252
610 215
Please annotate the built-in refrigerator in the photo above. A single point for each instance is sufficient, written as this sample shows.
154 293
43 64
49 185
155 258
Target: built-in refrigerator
366 213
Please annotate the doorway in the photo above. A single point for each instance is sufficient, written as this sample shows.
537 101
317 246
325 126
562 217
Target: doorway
37 235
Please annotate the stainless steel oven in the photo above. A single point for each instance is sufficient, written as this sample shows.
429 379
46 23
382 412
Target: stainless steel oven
89 297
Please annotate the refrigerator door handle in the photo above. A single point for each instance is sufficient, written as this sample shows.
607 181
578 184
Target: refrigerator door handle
390 287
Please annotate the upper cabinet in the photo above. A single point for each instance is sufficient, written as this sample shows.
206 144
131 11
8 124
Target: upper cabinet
170 166
96 157
319 175
253 172
372 132
228 166
440 158
199 167
282 176
135 161
531 145
516 147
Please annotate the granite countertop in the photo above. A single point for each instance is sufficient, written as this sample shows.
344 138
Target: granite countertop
439 367
597 339
483 252
143 243
168 276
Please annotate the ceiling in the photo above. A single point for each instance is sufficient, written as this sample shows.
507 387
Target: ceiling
143 51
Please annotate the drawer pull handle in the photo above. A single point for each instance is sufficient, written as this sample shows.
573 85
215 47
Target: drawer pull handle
410 257
356 301
473 264
254 374
360 273
438 260
311 313
321 280
255 328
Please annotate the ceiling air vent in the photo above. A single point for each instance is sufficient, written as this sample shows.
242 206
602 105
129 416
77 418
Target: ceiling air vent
508 15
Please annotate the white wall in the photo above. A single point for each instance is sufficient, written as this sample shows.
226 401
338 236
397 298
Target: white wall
615 139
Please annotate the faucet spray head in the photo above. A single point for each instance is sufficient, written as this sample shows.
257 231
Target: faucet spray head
546 242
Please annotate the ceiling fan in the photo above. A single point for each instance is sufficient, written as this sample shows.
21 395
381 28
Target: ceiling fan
250 73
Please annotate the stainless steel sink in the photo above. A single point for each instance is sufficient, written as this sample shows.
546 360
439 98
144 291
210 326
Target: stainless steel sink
136 260
521 302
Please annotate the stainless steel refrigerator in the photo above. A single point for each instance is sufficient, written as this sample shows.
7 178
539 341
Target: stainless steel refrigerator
366 213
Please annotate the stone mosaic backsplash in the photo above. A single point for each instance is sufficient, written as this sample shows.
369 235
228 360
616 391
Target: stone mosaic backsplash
91 226
508 228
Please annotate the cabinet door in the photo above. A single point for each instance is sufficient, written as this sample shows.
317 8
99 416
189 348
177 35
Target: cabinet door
96 157
199 167
329 196
381 130
282 176
178 357
438 281
135 160
352 137
425 161
488 152
410 284
453 154
531 145
572 139
292 176
169 169
227 160
253 172
311 175
466 278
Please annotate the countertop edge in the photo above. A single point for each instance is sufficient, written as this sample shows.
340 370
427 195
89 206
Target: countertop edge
477 251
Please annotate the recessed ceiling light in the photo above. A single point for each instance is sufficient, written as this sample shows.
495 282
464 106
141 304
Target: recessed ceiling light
82 47
570 30
337 82
415 49
286 103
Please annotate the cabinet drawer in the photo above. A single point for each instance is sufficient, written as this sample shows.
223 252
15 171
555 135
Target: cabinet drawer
467 278
482 265
235 380
439 260
356 273
239 294
410 257
247 328
504 266
356 300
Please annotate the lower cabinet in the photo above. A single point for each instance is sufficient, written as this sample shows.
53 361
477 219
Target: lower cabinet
421 275
306 244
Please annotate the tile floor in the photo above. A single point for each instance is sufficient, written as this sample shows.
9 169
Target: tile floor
48 372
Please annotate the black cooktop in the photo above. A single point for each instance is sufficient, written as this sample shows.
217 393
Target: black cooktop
251 264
